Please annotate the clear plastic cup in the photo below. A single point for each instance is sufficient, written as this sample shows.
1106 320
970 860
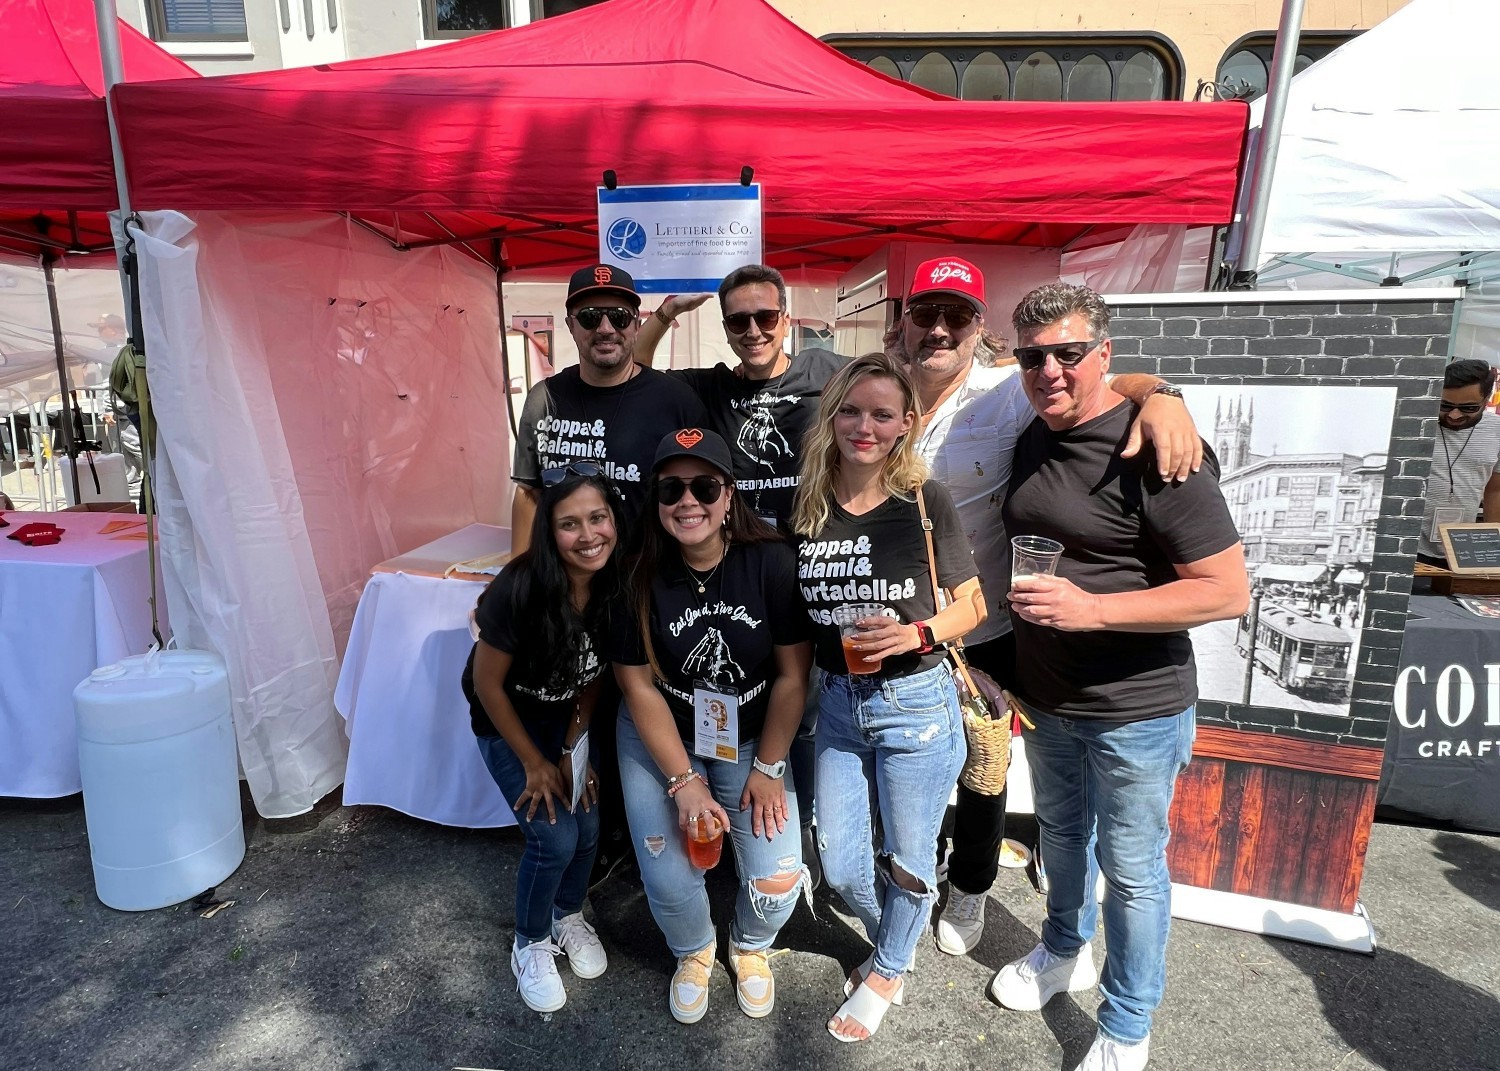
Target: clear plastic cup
847 618
1033 556
705 841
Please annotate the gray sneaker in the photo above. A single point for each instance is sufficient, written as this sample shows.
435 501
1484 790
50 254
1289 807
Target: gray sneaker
1030 982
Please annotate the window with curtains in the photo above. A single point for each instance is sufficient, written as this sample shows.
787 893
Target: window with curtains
1056 67
197 20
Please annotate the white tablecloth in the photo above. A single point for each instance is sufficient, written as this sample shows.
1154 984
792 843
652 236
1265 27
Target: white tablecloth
410 745
65 610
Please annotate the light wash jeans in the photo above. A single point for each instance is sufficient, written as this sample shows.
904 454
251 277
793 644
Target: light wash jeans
674 887
553 876
1102 794
889 753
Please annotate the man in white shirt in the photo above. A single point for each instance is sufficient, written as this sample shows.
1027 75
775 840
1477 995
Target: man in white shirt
975 410
1465 458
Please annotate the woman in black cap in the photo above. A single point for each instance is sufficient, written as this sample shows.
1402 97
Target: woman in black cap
711 652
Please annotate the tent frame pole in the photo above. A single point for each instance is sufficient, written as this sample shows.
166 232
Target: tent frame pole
1283 66
69 446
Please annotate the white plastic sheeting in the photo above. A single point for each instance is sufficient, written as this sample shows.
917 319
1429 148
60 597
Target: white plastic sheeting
324 402
1152 258
87 290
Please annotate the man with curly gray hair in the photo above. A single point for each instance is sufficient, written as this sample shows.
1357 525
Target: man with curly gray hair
1104 665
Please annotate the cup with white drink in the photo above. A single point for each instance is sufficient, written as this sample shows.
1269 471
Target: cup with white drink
1033 556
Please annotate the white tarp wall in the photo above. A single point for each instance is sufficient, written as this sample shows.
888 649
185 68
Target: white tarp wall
324 403
88 289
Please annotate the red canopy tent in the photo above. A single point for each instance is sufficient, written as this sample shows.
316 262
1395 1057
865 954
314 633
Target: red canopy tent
505 136
57 180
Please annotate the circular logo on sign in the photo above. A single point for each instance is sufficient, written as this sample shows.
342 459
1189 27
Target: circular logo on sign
627 239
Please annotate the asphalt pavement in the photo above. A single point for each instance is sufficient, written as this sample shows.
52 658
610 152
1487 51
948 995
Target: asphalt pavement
362 939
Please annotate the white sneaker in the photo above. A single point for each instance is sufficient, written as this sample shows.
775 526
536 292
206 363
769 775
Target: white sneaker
1029 983
962 922
688 994
1106 1054
580 944
536 976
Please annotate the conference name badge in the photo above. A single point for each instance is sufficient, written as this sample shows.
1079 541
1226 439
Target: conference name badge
716 725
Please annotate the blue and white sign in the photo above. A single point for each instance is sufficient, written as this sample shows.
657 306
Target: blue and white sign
680 239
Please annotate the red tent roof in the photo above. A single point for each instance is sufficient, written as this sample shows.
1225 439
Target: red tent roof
505 136
54 134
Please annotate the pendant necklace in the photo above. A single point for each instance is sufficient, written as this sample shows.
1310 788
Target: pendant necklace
701 582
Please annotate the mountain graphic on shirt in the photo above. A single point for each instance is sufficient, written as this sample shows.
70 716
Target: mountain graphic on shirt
710 661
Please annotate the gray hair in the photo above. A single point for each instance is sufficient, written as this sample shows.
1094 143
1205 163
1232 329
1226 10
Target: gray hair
749 275
1054 301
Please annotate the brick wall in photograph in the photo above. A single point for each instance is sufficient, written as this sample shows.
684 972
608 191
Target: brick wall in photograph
1400 340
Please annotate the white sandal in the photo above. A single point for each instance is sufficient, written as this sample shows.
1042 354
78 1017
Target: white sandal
867 1008
864 972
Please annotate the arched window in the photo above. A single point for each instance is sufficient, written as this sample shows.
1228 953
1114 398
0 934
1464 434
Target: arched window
1040 78
986 78
1090 79
1245 69
935 71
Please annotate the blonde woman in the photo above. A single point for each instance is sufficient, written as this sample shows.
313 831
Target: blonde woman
890 741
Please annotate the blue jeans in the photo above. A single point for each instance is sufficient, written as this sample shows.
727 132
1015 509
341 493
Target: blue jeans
889 752
803 756
1102 794
553 877
674 887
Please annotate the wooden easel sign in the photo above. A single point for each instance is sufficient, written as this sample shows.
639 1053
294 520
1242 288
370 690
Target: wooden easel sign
1471 549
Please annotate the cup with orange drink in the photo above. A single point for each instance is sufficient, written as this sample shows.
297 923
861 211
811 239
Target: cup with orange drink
847 618
705 840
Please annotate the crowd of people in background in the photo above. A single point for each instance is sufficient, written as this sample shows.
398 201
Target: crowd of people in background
729 616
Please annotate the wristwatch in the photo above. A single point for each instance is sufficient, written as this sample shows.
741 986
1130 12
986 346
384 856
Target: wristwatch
924 633
773 770
1167 389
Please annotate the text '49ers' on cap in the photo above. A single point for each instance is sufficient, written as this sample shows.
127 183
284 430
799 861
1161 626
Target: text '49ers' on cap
948 277
705 445
602 279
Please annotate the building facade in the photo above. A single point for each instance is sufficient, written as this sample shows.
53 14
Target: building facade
976 49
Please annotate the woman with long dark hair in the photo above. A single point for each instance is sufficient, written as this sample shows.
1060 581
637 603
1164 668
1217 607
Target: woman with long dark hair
711 652
531 682
890 740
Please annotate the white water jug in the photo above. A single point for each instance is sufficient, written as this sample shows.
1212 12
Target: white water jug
160 771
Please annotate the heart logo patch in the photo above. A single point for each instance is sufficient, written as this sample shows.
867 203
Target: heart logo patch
688 438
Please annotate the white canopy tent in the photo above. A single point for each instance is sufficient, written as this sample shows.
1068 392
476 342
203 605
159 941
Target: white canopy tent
1388 170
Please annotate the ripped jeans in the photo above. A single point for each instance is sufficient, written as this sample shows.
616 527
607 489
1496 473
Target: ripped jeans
674 887
889 753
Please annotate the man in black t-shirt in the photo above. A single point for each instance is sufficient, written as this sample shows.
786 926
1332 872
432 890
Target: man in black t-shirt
1104 665
607 410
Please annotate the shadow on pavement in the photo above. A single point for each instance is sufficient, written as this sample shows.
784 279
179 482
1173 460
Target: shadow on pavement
1472 867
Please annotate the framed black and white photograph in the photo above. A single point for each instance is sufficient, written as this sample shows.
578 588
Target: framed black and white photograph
1303 472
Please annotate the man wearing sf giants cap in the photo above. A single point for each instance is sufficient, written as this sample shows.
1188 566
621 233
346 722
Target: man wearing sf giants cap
603 416
607 411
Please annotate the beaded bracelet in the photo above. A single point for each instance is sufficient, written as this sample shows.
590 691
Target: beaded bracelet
676 784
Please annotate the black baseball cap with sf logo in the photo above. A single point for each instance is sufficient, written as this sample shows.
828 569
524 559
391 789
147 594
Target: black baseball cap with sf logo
602 279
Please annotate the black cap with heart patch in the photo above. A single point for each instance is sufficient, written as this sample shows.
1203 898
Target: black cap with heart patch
605 279
698 443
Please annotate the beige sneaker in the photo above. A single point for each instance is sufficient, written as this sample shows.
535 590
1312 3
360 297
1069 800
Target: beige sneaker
754 986
688 994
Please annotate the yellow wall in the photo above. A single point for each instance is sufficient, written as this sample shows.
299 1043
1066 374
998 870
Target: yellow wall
1201 29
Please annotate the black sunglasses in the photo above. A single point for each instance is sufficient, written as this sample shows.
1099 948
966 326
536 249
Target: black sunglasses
586 469
1068 354
1463 407
590 318
956 316
737 323
706 489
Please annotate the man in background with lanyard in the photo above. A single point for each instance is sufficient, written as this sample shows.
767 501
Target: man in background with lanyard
974 412
1465 458
604 415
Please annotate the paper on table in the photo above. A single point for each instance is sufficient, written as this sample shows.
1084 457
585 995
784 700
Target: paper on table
580 759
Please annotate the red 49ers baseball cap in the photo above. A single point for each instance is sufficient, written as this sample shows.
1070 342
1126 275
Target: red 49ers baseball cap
948 277
602 279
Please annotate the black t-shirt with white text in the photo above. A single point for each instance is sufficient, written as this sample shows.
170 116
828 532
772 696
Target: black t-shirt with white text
539 697
724 638
764 423
619 428
881 557
1123 529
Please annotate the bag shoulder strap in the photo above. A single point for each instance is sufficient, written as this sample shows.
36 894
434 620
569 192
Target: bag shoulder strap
955 647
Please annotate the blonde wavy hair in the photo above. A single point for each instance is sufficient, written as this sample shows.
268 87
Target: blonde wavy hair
905 471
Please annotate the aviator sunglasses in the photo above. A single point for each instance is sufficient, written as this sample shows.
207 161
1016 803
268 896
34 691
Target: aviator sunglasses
706 489
591 317
1068 354
585 469
925 315
1467 408
737 323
